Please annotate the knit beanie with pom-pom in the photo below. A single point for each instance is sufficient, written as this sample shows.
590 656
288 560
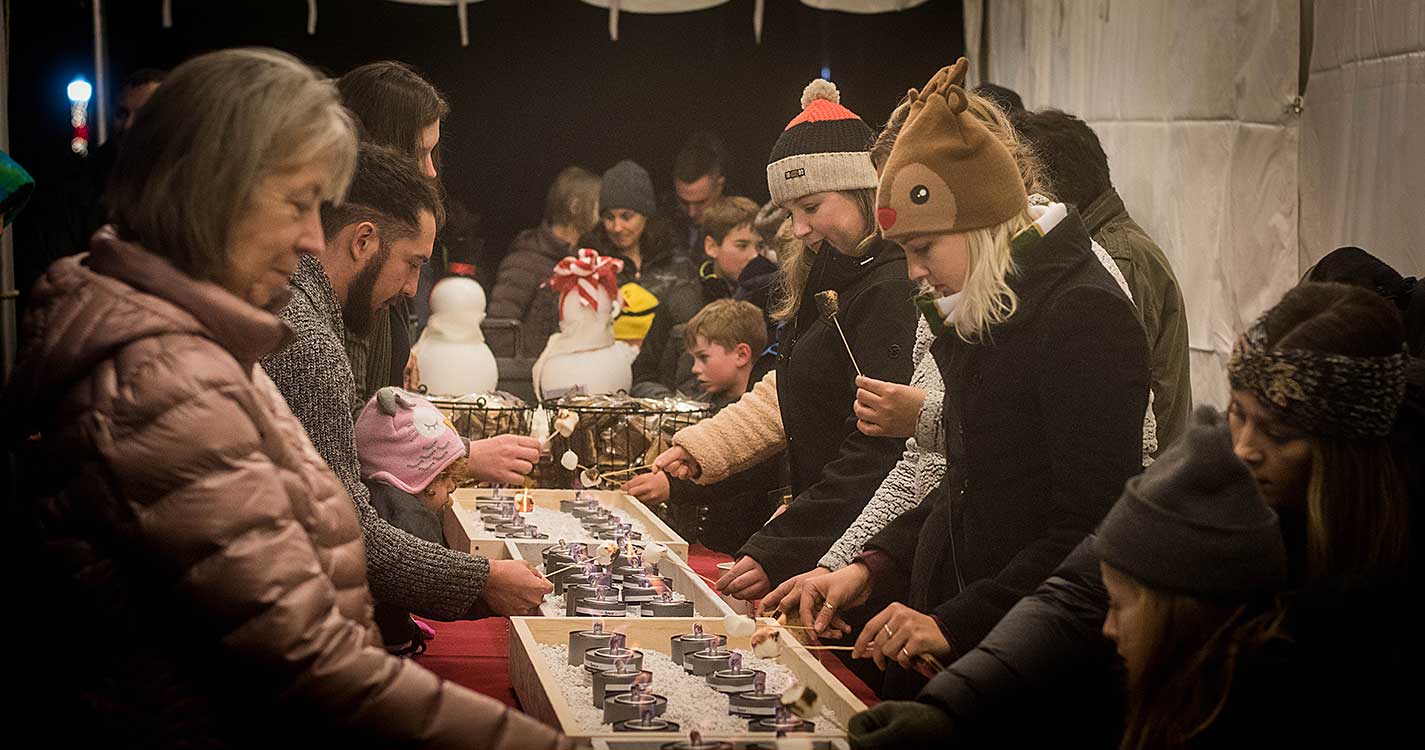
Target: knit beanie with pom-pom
826 147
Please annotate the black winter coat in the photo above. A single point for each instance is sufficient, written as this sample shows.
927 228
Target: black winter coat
520 292
834 467
1043 424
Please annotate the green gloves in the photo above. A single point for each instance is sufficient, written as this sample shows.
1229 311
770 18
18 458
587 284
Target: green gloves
900 724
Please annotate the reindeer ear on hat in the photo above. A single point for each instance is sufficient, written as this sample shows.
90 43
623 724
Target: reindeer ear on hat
957 99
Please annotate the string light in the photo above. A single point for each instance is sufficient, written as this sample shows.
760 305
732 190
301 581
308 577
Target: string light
79 92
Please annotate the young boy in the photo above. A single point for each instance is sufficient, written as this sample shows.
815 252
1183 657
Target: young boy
735 269
728 342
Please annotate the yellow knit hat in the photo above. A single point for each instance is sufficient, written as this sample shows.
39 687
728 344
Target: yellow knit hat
639 305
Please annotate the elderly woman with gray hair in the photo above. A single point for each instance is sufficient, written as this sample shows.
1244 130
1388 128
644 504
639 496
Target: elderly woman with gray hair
198 563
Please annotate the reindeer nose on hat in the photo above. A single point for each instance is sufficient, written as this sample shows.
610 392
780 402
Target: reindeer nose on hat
887 217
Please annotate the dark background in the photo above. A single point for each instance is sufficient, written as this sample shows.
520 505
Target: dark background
541 85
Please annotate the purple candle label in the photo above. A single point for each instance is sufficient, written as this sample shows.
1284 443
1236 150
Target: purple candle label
598 627
616 642
697 628
734 662
783 716
759 682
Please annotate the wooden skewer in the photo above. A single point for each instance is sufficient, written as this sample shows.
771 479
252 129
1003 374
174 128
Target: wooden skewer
629 470
829 648
848 345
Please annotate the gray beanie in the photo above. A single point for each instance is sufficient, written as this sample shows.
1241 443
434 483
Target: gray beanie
627 185
1194 522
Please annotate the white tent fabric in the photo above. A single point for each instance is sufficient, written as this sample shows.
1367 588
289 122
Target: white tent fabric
1193 104
1363 133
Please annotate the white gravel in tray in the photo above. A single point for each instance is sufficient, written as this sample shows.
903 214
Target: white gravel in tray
560 525
691 703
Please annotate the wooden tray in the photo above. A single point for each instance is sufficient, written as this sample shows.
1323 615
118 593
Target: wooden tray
465 532
541 698
706 602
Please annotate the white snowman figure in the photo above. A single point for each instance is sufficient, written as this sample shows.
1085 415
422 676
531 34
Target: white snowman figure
583 353
452 353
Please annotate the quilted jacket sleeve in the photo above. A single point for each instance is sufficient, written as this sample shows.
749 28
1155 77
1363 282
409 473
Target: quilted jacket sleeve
191 447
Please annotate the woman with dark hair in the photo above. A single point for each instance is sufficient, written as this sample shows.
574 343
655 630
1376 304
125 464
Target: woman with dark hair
629 229
1317 385
199 565
397 108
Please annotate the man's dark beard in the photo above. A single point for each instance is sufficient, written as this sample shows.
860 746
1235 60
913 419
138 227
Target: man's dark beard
357 312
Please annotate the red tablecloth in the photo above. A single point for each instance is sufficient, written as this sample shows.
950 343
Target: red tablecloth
477 654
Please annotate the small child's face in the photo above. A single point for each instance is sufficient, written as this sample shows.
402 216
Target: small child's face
720 370
437 495
735 251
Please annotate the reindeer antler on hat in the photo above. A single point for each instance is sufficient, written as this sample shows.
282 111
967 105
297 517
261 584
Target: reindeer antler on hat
947 173
585 272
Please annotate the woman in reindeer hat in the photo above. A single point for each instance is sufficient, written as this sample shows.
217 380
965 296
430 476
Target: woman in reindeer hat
1046 375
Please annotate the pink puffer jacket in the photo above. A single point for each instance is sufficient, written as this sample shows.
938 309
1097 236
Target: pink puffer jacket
208 563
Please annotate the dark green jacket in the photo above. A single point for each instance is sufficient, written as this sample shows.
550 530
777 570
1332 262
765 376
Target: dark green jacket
1159 304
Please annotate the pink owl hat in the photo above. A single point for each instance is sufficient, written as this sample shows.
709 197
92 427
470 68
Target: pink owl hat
947 173
404 441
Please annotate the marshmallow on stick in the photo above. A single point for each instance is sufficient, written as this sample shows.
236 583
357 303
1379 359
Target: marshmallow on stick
829 303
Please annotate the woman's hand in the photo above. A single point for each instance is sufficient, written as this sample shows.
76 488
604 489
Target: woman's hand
503 459
886 409
649 489
678 462
905 636
514 588
746 580
786 596
823 598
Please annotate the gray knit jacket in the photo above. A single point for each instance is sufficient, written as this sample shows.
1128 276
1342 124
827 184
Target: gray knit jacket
315 378
917 473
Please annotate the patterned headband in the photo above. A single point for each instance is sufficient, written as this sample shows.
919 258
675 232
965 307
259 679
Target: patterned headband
1323 394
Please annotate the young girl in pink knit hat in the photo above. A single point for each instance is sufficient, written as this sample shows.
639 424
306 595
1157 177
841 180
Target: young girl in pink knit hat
410 459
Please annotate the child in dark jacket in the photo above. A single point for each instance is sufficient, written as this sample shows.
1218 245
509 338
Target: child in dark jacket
727 340
410 459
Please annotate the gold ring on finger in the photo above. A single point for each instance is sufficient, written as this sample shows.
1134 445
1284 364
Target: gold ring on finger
889 633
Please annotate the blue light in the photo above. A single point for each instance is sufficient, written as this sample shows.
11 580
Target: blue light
79 91
826 72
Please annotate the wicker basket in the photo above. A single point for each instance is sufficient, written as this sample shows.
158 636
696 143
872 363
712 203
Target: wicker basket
479 416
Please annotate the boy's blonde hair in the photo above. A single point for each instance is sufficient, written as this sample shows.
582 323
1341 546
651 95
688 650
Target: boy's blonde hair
728 323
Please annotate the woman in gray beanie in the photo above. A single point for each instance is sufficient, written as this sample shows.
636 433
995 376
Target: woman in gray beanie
1189 554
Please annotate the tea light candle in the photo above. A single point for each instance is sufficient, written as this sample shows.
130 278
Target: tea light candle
612 654
782 722
573 593
681 645
646 722
604 603
755 702
734 679
668 606
611 682
633 705
583 640
709 660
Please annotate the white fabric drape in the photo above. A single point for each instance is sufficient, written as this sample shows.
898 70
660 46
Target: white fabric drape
1192 104
1363 133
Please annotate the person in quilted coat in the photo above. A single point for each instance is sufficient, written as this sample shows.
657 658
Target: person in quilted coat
195 569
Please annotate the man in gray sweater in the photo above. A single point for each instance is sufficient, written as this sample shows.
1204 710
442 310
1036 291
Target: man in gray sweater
376 242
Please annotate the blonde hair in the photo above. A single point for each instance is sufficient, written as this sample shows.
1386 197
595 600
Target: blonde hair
987 298
219 125
795 258
728 323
